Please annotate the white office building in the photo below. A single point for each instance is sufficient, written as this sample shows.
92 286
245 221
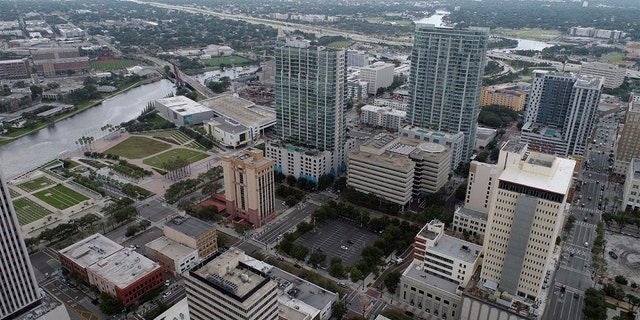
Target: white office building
613 75
378 75
182 110
382 117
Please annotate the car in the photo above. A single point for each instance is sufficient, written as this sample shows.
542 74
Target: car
576 295
589 198
350 242
571 254
585 219
586 244
342 284
613 255
167 282
320 250
297 266
279 258
344 247
597 182
563 288
166 294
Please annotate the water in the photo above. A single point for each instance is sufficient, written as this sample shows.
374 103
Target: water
526 44
47 144
435 19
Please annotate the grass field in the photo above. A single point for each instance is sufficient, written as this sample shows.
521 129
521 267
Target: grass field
36 184
13 193
138 147
29 211
339 44
189 155
228 61
105 65
178 137
60 197
615 59
528 33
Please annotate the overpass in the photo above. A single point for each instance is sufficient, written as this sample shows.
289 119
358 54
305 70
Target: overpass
187 79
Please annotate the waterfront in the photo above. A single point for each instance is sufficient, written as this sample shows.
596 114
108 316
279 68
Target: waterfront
38 148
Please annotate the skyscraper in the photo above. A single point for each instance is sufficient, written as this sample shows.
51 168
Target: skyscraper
561 112
310 94
310 110
447 66
18 286
525 218
628 144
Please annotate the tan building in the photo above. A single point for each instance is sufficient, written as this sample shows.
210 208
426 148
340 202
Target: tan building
628 146
225 287
513 99
472 217
433 166
249 186
193 233
525 218
174 257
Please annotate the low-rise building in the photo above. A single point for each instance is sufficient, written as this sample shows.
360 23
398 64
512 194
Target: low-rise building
441 269
501 96
631 196
193 233
455 142
113 269
182 110
382 117
255 118
396 104
228 132
484 136
174 257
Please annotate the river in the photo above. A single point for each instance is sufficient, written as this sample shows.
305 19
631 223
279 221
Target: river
38 148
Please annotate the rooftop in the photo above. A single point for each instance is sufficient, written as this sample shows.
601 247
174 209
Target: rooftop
241 110
386 110
179 311
472 213
433 133
415 272
170 248
228 125
541 171
90 250
124 267
189 225
182 105
457 248
513 146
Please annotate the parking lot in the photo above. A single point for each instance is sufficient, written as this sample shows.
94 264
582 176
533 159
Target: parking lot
338 238
628 252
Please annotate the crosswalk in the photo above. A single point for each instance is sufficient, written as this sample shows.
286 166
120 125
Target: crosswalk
587 210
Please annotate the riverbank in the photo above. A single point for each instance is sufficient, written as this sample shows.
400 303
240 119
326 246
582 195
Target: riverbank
78 109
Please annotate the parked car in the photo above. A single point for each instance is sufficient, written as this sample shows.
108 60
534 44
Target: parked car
613 255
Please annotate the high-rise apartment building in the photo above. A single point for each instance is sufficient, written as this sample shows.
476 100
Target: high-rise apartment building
310 103
525 217
447 65
628 147
310 94
18 285
561 112
249 186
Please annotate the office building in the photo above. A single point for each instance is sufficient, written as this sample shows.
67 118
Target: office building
613 75
455 141
561 112
525 218
357 59
441 269
223 286
472 217
500 96
15 69
182 110
447 65
310 109
174 257
249 186
193 233
395 104
631 189
227 132
378 75
382 117
18 288
242 112
628 147
120 272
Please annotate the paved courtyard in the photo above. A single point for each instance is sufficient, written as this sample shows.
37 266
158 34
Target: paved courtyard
338 238
628 251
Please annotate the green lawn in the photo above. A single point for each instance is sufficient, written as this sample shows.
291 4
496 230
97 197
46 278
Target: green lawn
36 184
115 64
228 61
29 211
138 147
339 44
13 193
60 197
615 59
189 155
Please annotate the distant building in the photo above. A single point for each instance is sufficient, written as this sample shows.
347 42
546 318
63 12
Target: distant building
51 62
382 117
400 105
378 75
627 146
613 75
249 186
182 110
15 69
441 269
484 136
595 33
113 269
244 112
631 189
512 99
193 233
174 257
69 30
228 132
357 59
357 90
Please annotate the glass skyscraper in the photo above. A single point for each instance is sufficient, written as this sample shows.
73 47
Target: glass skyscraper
310 94
447 65
18 286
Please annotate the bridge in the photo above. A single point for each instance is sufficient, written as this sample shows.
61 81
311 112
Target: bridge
187 79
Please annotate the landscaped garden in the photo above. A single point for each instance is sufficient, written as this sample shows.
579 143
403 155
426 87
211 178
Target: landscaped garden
137 147
190 156
36 184
60 197
28 211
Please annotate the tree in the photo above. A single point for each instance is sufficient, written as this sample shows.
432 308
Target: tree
634 302
35 90
131 231
391 281
110 305
621 280
594 305
355 274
